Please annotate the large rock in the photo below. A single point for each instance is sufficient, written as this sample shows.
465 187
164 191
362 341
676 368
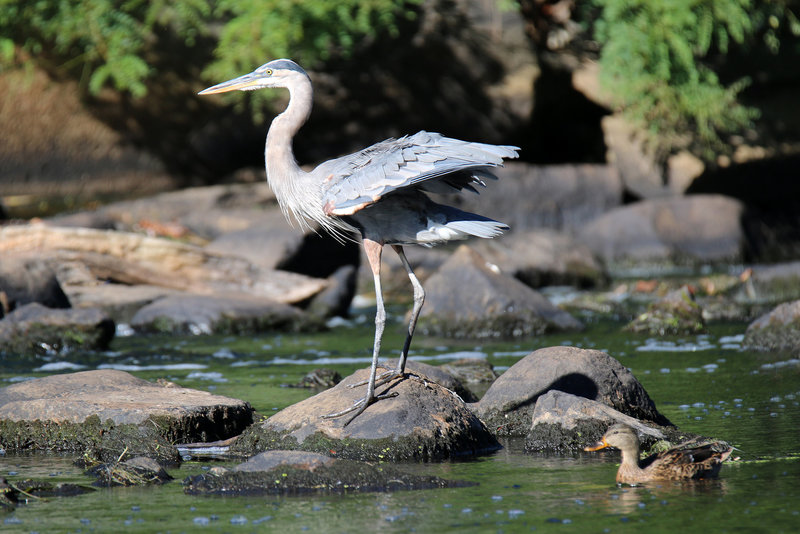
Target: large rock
33 329
425 421
507 407
566 422
776 330
676 313
544 258
109 411
208 314
693 229
563 197
292 473
467 297
28 279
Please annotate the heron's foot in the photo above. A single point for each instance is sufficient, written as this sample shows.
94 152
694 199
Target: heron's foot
381 379
359 406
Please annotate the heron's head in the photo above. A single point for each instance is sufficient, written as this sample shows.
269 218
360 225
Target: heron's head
276 73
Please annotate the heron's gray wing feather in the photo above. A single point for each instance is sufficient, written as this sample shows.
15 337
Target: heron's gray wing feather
427 160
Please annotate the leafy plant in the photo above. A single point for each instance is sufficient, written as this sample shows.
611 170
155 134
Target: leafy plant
108 43
657 64
103 41
308 32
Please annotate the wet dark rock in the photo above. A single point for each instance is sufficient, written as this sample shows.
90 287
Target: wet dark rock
39 488
103 413
676 313
776 330
26 279
467 297
211 314
293 473
565 422
425 421
693 229
138 471
563 197
544 258
508 406
35 329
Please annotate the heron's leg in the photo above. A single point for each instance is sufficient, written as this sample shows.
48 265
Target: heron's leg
419 299
373 250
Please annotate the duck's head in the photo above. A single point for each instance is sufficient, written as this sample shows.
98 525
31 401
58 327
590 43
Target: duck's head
618 436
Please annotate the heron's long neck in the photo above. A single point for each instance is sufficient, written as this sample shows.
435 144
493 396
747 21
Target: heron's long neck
283 174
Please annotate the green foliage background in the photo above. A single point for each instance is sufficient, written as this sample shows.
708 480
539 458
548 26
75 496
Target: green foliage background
658 57
657 63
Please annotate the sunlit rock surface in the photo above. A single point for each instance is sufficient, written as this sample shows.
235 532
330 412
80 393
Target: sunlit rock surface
425 421
293 472
508 406
469 297
108 411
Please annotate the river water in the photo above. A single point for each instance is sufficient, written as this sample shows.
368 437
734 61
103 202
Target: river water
706 384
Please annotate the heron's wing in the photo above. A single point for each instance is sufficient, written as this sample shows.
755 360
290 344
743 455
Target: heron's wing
425 160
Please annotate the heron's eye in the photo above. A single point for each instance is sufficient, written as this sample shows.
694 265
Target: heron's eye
268 72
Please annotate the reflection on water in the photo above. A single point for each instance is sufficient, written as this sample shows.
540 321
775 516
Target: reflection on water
705 384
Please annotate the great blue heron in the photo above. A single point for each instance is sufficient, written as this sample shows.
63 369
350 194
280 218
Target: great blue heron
379 192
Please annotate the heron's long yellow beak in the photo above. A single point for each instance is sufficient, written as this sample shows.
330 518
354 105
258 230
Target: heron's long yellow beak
602 444
240 83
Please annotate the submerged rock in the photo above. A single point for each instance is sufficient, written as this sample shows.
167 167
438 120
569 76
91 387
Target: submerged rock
104 413
138 471
210 314
292 473
425 421
675 314
508 406
468 297
776 330
36 329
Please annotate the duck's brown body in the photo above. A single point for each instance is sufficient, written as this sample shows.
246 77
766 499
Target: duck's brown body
690 460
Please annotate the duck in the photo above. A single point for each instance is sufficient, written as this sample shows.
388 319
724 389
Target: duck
689 460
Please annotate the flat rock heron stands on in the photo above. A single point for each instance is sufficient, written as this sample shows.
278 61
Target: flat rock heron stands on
379 192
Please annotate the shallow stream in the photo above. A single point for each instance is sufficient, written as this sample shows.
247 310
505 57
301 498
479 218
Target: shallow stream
706 384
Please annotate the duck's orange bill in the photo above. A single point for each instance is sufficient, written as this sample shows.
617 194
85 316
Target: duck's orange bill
602 444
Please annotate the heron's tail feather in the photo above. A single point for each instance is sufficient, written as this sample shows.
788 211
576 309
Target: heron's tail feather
482 228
